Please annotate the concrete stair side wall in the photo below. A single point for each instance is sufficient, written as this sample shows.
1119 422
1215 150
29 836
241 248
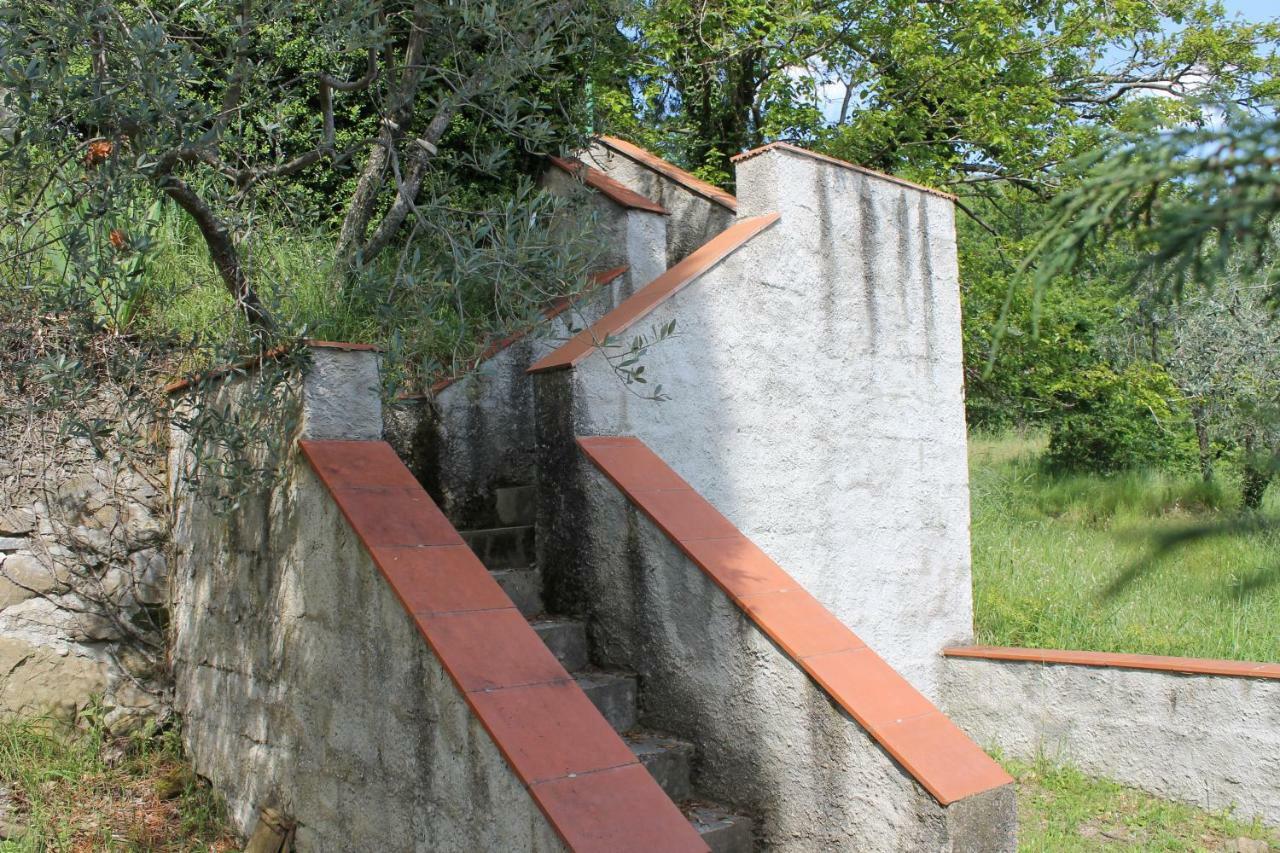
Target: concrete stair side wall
476 435
772 743
695 219
816 399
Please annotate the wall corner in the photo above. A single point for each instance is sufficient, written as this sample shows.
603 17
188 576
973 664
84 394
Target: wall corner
341 394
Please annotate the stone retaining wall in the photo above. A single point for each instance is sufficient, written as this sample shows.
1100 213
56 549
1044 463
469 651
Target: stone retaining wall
83 580
1209 740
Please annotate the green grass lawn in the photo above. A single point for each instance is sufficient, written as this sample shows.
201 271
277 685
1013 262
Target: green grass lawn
1060 810
1068 561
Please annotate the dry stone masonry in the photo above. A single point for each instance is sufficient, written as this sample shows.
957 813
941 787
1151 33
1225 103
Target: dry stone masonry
83 581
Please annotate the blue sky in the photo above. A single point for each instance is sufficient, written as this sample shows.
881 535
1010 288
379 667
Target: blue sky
1253 10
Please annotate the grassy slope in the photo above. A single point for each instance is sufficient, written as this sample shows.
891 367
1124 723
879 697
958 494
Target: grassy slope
1066 562
1062 811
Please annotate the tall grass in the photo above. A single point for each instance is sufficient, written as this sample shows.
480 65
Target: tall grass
1072 561
90 790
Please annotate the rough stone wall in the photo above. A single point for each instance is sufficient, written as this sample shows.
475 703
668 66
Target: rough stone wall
771 743
1211 741
816 399
694 219
83 579
302 683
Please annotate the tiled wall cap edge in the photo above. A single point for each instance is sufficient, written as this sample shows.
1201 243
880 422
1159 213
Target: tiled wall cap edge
1114 660
670 170
965 771
364 470
788 148
653 294
619 193
255 361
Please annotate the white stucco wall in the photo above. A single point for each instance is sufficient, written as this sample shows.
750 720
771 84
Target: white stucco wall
1211 741
817 401
694 219
771 743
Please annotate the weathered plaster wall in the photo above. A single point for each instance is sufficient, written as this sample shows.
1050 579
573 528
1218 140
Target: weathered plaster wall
83 578
477 434
625 237
771 743
1212 741
694 218
303 684
816 399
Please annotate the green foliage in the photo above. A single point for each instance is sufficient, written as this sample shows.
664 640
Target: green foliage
1194 200
1110 420
1078 560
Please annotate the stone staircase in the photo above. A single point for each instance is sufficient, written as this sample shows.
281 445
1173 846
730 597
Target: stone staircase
508 552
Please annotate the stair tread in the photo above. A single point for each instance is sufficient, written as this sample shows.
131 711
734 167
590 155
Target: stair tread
646 741
723 830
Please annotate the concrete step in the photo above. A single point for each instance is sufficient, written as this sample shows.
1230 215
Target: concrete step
667 759
566 639
524 587
502 547
516 504
614 694
723 831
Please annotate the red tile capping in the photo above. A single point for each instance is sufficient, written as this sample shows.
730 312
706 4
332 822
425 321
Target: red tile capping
655 292
577 769
670 170
555 309
1155 663
804 152
937 754
607 186
255 361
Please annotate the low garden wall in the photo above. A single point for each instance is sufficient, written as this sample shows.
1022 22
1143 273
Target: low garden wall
1203 732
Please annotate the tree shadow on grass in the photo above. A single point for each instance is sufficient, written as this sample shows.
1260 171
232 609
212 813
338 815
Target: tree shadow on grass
1169 542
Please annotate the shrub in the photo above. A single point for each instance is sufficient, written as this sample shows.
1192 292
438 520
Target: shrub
1111 421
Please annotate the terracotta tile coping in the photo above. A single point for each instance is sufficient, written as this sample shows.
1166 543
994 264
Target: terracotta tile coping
254 361
554 310
670 170
804 152
655 292
581 774
607 186
1155 663
937 754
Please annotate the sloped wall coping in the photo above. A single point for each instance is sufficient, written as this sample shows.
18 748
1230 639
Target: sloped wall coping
788 148
937 754
607 186
1155 663
555 309
655 293
583 777
256 361
670 170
